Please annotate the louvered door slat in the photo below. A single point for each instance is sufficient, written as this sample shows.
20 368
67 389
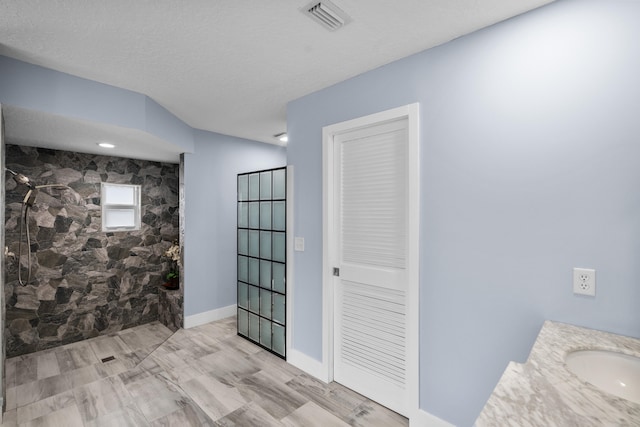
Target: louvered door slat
372 200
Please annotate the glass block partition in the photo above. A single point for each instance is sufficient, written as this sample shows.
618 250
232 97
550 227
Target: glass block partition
262 258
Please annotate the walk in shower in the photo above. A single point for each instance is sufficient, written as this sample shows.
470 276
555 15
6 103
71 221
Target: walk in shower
66 279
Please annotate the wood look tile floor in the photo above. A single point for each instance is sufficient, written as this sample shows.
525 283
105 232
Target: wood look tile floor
204 376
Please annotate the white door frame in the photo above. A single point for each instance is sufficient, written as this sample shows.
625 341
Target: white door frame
329 243
289 266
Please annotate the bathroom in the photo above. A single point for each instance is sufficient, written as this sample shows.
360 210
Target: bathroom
529 148
78 282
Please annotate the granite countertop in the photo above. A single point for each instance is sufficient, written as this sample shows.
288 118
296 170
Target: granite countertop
543 392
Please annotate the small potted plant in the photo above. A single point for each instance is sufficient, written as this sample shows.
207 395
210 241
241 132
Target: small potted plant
173 276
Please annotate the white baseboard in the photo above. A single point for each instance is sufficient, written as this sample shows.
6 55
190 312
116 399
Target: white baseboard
307 364
209 316
424 419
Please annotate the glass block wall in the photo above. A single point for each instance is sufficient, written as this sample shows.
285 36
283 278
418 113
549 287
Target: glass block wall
262 258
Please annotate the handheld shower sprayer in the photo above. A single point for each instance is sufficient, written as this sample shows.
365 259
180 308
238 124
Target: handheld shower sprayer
27 203
20 178
29 200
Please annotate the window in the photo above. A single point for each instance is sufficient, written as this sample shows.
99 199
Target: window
120 207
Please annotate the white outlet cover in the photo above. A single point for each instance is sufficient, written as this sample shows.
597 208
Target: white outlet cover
298 244
584 281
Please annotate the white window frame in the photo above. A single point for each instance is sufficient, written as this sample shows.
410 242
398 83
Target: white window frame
108 205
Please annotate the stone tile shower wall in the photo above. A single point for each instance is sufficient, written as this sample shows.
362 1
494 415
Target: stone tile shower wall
86 282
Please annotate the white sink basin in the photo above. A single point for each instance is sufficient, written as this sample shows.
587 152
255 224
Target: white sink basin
615 373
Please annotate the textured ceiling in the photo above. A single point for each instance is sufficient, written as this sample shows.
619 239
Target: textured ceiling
231 66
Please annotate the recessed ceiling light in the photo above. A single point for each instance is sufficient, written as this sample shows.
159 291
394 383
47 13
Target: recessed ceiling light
106 145
282 137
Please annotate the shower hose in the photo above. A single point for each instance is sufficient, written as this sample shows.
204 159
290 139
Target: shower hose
28 201
24 214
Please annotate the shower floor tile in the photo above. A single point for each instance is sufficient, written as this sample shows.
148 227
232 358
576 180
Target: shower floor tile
203 376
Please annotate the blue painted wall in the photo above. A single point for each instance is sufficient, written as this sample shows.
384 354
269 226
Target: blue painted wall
210 223
37 88
529 158
210 171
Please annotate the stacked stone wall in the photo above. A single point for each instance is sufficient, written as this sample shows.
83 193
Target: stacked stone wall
85 282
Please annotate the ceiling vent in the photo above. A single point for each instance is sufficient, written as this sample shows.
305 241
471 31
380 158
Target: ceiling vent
326 14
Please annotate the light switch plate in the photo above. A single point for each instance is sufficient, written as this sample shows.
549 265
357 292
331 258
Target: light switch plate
298 244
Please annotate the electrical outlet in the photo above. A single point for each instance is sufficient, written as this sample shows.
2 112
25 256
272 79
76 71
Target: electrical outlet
584 281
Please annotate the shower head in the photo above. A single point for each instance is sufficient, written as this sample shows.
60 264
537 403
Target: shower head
20 178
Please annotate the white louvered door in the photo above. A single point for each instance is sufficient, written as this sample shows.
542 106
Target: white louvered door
370 307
